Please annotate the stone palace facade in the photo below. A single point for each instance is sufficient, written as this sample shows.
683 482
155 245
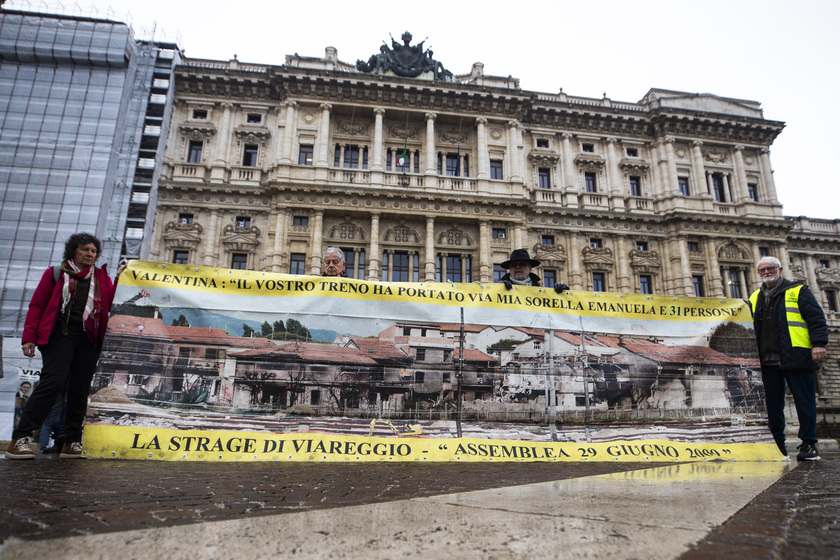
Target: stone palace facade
437 177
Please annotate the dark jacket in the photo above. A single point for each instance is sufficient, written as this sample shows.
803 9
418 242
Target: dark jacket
535 280
794 358
43 312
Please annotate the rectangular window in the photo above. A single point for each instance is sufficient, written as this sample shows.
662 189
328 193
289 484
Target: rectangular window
547 240
824 263
697 283
249 155
199 114
400 267
598 284
595 242
297 263
752 189
733 278
453 165
315 396
194 153
764 251
693 246
831 300
420 376
420 355
645 284
254 118
544 176
243 221
300 220
718 187
499 233
351 157
635 186
185 218
542 142
683 183
641 245
588 148
589 181
180 257
549 278
305 154
239 261
498 272
632 152
496 170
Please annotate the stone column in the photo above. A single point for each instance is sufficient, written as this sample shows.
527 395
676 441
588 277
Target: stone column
568 161
485 267
431 154
661 167
767 178
740 174
288 134
727 189
324 137
685 268
613 170
672 166
700 183
784 258
374 260
745 287
280 234
623 259
810 273
429 264
483 155
316 238
576 280
514 161
211 242
225 135
713 273
378 147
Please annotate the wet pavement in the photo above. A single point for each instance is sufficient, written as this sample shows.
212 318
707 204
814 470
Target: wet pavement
134 509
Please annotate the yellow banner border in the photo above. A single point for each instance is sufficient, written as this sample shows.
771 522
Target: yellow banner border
164 444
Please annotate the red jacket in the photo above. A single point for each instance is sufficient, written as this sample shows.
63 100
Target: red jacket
46 302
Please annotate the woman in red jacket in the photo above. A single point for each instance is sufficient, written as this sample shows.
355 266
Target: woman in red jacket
66 320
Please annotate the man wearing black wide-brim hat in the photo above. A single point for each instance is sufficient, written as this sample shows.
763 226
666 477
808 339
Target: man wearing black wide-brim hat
520 264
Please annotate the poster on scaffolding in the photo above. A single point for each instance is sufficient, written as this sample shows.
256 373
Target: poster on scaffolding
249 343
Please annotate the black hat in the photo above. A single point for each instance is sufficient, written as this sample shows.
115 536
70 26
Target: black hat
520 255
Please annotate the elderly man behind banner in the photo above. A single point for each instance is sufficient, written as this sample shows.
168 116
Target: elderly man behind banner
520 264
791 333
334 262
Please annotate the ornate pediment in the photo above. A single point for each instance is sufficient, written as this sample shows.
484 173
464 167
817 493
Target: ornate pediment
401 132
353 127
197 131
828 277
182 236
590 162
733 252
550 256
797 273
598 255
236 238
406 60
453 135
634 166
252 134
543 157
715 155
644 259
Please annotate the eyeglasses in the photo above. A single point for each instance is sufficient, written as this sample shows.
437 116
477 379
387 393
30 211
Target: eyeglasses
767 269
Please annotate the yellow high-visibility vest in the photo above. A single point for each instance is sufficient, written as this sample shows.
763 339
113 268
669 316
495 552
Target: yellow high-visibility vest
797 327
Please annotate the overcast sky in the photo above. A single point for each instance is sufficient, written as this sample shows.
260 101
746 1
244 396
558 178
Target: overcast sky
784 54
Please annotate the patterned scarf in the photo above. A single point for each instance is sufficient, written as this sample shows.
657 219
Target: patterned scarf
93 306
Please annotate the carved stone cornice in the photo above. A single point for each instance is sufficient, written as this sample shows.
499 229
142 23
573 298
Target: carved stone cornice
252 134
181 236
550 256
598 256
237 238
635 165
543 157
644 259
353 127
197 131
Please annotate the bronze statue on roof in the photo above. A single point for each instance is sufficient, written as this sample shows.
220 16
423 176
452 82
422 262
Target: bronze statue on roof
406 60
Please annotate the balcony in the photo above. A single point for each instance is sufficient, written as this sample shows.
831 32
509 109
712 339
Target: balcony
349 176
456 184
190 172
638 204
245 174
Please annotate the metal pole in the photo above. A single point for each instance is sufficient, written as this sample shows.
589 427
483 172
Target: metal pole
552 395
460 375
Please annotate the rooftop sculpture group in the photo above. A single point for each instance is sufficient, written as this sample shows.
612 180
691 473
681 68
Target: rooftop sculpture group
406 60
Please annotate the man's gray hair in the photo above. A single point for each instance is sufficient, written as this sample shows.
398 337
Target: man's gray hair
337 251
772 260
